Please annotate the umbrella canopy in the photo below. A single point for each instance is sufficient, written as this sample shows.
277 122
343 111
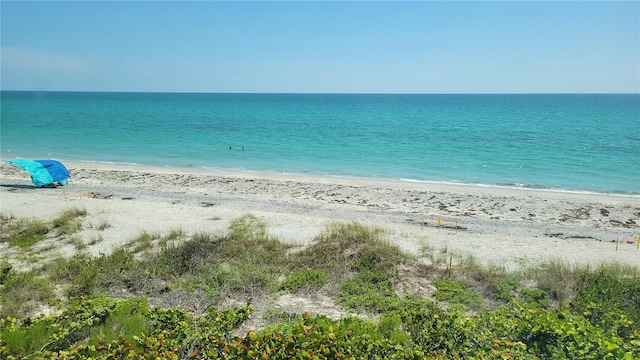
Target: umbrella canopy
43 172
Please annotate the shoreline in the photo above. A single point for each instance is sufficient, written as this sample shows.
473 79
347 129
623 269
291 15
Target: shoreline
444 184
512 226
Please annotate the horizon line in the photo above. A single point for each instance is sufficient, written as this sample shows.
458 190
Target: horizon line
321 93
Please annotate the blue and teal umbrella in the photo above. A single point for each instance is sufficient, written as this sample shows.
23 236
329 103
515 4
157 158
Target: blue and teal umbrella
43 172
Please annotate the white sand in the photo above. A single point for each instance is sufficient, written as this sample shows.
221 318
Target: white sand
504 225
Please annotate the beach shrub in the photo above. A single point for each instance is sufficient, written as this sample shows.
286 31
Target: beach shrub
128 318
279 316
241 262
102 327
557 278
93 319
555 333
335 249
535 296
361 264
370 291
313 278
598 321
189 257
456 292
504 288
608 297
84 275
23 233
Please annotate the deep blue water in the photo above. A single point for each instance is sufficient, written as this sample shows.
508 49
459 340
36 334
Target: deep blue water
565 142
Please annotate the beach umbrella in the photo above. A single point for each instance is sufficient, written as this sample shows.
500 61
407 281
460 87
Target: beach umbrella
43 172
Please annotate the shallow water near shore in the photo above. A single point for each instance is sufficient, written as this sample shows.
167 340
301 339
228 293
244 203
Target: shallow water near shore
559 142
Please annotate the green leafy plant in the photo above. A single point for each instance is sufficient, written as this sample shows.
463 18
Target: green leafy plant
535 296
504 288
456 292
278 316
594 313
313 278
607 296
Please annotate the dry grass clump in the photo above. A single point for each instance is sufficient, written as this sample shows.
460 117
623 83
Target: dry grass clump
69 222
358 267
345 245
25 233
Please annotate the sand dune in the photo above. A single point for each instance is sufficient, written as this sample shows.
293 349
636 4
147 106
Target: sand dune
511 226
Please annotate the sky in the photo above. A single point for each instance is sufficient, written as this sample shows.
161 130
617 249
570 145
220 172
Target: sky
321 46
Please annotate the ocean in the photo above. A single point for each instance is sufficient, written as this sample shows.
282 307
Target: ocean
581 142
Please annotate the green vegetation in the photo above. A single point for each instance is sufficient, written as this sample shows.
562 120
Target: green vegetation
456 292
504 288
22 292
69 222
362 266
101 304
143 242
23 233
5 269
95 240
313 278
103 225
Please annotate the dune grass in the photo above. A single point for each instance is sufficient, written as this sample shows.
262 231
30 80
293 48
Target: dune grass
351 263
143 242
22 292
23 233
312 278
69 221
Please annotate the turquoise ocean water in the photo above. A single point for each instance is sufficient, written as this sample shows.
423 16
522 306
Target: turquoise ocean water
558 142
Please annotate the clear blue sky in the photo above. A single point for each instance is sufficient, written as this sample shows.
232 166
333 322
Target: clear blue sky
320 47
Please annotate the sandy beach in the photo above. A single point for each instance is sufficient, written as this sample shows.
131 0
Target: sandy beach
515 227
